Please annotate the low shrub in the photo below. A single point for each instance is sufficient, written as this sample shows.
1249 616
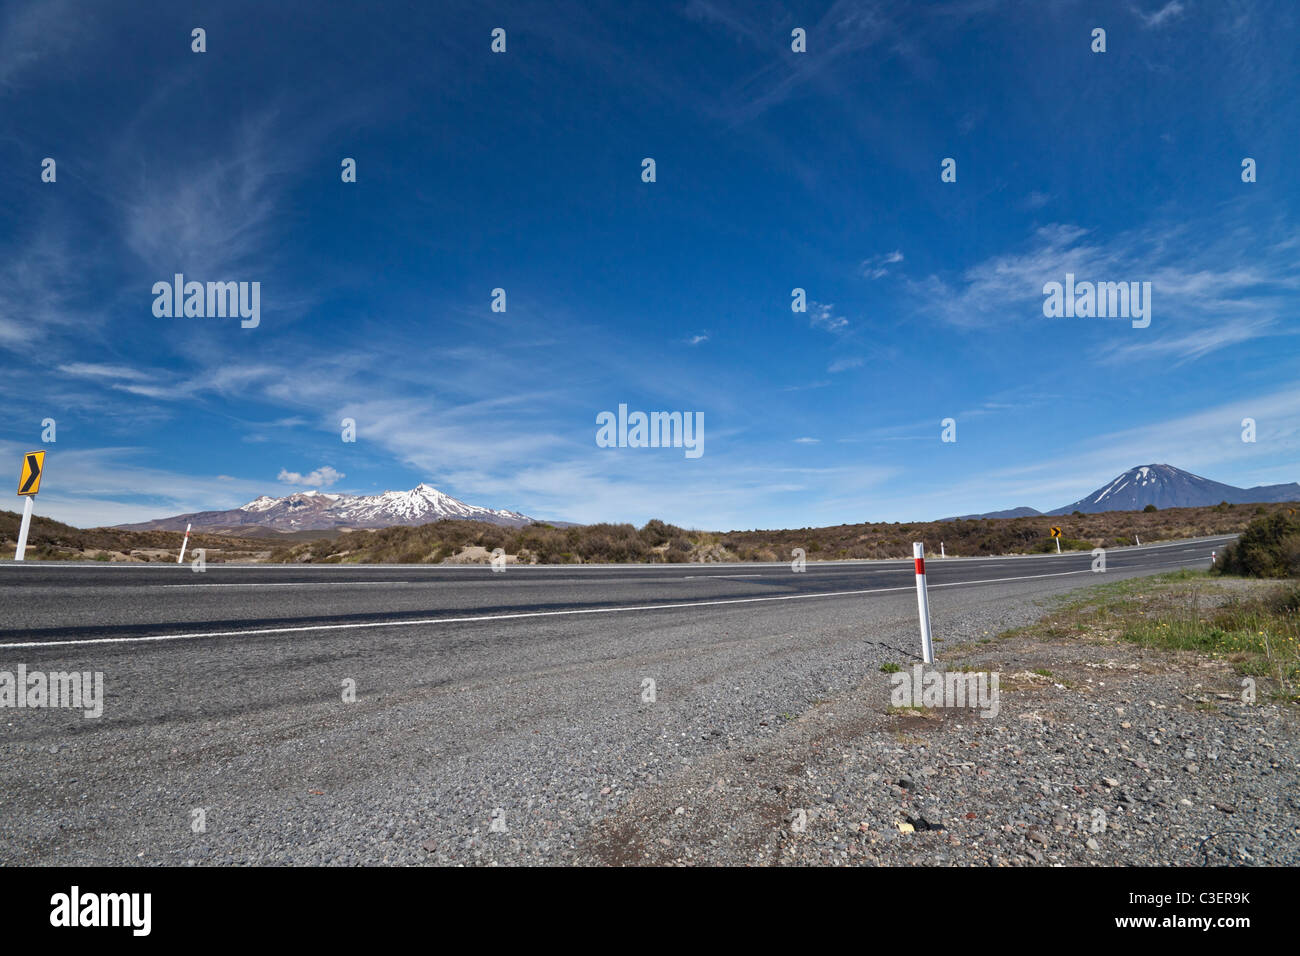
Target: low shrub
1269 547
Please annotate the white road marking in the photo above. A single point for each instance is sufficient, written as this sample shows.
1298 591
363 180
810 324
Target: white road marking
286 584
523 614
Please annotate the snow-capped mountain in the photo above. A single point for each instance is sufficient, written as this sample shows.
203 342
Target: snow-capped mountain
322 511
1168 487
1163 486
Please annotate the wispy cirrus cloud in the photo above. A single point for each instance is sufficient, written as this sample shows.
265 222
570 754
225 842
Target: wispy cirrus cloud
1221 292
1166 14
1185 348
208 214
824 316
43 292
33 34
877 267
845 29
96 370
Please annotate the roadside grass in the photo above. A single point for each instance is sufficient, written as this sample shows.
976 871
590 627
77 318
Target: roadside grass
660 542
50 540
1253 625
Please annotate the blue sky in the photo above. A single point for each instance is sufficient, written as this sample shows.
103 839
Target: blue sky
522 171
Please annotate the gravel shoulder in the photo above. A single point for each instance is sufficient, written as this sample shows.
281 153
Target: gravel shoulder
1103 753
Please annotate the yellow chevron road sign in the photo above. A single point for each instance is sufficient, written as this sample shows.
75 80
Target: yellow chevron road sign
29 479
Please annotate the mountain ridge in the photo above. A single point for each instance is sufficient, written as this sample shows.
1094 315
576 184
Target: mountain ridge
1161 485
322 511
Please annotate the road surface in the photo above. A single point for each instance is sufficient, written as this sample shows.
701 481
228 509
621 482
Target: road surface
371 714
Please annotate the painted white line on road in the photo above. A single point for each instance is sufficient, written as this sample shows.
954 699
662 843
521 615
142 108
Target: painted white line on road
443 620
426 622
777 575
286 584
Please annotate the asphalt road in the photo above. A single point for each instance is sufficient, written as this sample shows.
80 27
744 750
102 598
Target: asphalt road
519 693
75 604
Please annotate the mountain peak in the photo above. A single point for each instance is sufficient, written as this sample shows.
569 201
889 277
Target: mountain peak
316 510
1162 485
1166 486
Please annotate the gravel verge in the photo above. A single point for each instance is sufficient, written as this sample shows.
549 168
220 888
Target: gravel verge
1103 754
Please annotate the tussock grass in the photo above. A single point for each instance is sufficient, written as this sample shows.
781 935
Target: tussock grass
50 540
1259 634
657 541
1254 627
993 536
660 542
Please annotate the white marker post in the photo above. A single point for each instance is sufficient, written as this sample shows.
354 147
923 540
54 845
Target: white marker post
942 553
186 541
22 531
923 602
1137 538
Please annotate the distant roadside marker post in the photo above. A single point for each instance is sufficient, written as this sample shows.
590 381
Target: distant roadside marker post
1056 533
29 483
923 602
184 542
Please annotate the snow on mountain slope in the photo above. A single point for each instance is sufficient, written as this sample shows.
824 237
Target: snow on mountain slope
1163 486
421 504
1168 487
317 511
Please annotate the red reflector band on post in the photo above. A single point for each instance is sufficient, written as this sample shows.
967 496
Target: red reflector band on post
920 565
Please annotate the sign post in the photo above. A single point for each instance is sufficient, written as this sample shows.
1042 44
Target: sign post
29 483
1056 533
923 602
22 531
